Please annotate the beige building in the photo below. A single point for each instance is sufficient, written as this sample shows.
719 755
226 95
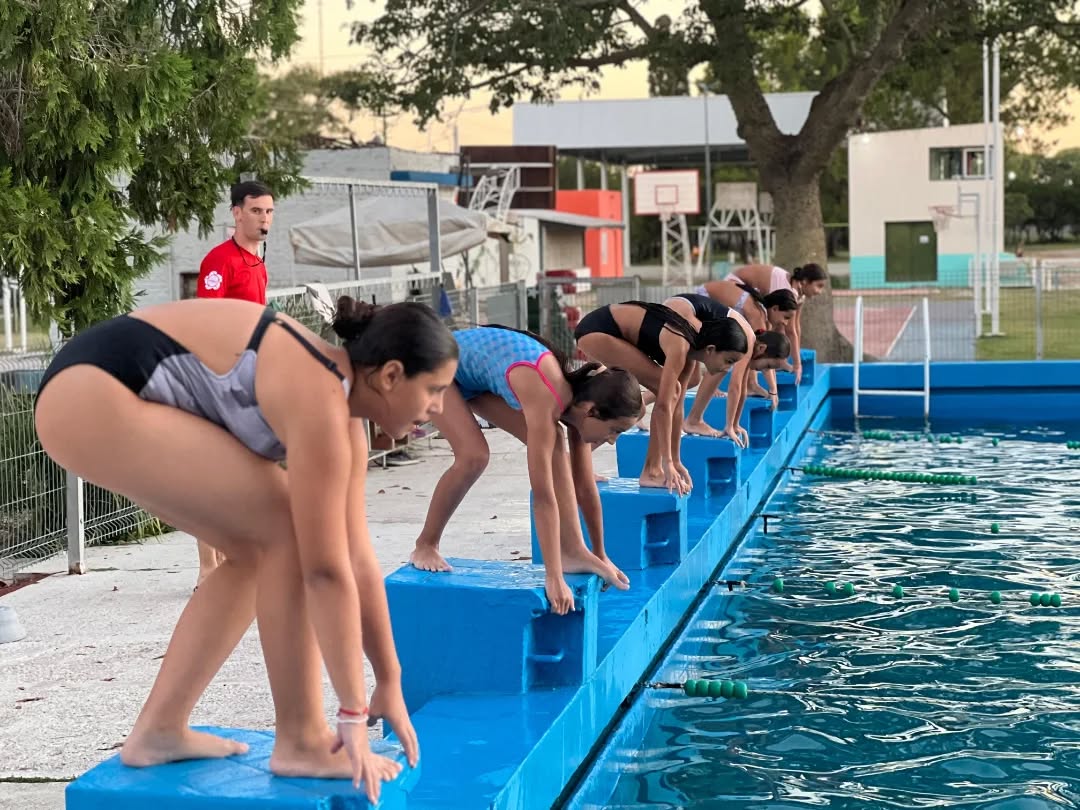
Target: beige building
895 180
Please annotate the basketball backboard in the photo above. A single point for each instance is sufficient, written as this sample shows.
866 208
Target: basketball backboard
736 196
667 192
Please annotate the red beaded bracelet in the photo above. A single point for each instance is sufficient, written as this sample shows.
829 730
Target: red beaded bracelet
347 713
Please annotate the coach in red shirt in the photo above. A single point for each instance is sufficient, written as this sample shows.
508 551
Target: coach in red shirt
234 269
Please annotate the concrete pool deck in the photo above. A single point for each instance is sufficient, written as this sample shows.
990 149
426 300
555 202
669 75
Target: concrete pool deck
71 689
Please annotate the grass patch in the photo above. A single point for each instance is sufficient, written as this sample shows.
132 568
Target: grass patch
1060 326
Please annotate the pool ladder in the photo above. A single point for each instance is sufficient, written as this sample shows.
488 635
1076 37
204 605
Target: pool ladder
857 391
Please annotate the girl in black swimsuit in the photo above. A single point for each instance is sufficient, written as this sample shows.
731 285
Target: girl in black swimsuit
660 348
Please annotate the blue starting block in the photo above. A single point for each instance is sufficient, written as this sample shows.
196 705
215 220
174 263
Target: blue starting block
809 365
787 391
230 784
486 627
757 419
713 464
643 526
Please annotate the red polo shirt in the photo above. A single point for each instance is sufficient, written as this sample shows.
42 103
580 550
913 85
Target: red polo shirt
229 271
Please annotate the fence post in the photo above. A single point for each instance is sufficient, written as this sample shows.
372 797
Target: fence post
474 305
1037 279
76 524
523 305
637 288
545 308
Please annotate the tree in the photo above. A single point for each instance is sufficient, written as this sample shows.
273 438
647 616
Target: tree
532 49
118 117
298 107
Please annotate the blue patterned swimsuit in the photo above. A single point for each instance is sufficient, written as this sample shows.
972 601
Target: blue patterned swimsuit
487 356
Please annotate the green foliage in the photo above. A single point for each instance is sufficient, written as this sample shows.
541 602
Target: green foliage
1045 192
118 119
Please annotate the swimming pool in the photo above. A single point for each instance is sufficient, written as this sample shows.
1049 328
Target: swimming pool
874 699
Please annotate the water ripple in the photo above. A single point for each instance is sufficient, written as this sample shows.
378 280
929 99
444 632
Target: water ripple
870 701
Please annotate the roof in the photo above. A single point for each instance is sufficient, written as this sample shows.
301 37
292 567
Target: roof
564 218
666 131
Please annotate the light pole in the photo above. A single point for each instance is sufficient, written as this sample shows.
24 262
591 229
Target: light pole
704 88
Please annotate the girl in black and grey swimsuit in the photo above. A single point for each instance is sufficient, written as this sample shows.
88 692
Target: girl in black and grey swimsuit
185 408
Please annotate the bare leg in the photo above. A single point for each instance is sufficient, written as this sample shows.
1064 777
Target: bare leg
614 352
209 559
458 425
198 478
647 399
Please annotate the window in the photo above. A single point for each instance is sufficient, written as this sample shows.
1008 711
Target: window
188 284
963 162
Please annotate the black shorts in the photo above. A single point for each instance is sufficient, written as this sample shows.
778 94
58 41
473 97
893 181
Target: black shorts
598 321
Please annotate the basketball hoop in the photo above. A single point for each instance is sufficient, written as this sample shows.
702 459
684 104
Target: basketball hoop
941 214
666 211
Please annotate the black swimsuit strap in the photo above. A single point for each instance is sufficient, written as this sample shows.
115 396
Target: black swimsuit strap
268 317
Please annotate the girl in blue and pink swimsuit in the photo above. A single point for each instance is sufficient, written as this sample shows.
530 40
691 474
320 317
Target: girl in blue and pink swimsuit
523 385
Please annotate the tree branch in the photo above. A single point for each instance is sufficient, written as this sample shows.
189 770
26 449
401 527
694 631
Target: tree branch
835 110
736 73
637 18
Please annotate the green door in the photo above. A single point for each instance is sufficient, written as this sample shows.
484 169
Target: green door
910 252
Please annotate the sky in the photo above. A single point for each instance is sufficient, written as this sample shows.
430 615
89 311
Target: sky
475 124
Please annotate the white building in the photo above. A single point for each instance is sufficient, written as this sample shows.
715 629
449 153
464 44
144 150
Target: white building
895 180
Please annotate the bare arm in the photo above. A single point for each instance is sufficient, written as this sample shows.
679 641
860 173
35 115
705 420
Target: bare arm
796 346
588 496
375 611
319 461
677 413
676 350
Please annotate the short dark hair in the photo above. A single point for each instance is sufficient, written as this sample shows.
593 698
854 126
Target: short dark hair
249 188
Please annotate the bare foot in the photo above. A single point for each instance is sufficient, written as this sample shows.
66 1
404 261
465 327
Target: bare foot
643 424
600 478
142 750
756 391
316 762
427 558
700 429
652 480
584 561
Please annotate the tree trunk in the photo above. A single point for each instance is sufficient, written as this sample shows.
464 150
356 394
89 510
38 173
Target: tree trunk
800 239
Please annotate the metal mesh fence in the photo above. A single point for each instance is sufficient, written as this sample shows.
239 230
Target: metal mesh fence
1038 306
33 488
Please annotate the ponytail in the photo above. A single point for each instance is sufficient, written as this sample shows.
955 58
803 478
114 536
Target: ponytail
809 272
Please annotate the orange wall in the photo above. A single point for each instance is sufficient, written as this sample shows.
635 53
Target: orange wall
603 246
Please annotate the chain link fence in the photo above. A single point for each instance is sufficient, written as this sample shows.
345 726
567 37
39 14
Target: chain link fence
1038 317
1039 314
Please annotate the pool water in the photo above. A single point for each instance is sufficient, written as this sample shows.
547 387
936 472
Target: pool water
873 701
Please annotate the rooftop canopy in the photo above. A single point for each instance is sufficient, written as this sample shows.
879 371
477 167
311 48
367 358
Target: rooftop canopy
668 132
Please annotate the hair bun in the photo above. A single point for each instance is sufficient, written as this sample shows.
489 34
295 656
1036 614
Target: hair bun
353 317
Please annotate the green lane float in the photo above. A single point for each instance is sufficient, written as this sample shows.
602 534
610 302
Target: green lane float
888 475
707 687
1072 445
834 588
